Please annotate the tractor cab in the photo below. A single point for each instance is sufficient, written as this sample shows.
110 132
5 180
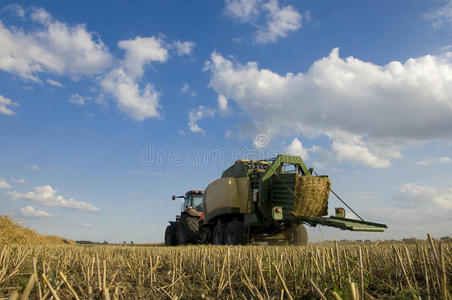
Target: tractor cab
192 200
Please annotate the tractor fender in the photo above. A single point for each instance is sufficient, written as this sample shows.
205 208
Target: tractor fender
194 213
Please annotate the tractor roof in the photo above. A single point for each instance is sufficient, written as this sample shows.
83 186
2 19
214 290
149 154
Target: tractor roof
195 192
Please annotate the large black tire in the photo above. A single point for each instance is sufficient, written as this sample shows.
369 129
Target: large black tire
170 236
234 233
188 230
297 235
218 234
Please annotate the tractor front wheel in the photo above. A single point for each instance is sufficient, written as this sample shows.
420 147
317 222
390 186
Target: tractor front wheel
170 236
188 230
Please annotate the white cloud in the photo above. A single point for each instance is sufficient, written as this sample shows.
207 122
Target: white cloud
53 47
31 212
369 112
441 16
359 153
20 180
77 99
17 9
47 196
140 52
34 167
243 10
184 48
184 88
440 160
423 197
88 225
4 184
296 148
122 81
197 114
54 83
6 105
222 103
415 210
278 20
138 103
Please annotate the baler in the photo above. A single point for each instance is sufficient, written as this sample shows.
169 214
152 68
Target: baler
260 200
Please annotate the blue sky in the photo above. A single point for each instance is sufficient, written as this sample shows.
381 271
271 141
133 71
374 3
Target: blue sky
107 108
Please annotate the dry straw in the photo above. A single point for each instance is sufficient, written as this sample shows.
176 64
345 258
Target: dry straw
312 194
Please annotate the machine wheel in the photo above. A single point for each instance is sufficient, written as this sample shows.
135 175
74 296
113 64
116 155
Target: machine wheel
218 234
297 235
234 233
187 230
170 236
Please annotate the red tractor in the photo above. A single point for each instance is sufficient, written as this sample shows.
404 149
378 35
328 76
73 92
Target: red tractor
185 230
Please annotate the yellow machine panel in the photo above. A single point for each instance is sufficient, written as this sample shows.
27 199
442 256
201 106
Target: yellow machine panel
227 195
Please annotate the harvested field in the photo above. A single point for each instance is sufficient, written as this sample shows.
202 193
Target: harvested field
359 271
13 233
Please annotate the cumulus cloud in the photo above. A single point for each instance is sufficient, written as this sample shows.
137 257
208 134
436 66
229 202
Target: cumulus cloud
138 103
141 51
47 196
415 210
415 203
198 114
20 180
296 148
184 47
357 152
31 212
16 9
441 16
52 46
77 99
424 197
278 20
123 81
367 111
185 87
6 105
430 161
222 103
54 83
4 184
243 10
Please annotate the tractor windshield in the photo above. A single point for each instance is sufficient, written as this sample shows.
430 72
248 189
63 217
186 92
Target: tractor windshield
197 202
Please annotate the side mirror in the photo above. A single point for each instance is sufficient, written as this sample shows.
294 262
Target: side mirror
173 197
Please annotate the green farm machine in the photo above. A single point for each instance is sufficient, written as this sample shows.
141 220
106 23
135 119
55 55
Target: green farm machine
254 201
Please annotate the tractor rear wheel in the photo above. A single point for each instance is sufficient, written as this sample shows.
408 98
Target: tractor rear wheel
234 233
297 235
170 236
218 234
188 230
